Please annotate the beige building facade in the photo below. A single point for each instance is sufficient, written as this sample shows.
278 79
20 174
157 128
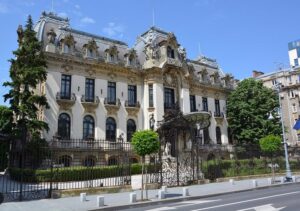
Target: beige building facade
101 89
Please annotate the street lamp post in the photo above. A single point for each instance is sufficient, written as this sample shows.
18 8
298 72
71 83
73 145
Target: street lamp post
288 175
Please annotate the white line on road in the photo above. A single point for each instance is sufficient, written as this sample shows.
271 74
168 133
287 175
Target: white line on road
183 204
241 202
266 207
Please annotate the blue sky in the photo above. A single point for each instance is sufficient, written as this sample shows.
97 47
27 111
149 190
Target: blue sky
242 35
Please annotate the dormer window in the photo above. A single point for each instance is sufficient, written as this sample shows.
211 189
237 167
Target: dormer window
111 58
67 44
170 52
90 53
112 54
66 48
91 49
130 58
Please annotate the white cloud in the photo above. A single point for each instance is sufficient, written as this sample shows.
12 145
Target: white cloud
63 14
3 8
87 20
113 29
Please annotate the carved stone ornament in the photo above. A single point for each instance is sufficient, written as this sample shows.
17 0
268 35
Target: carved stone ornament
67 67
112 76
170 80
91 45
51 35
69 40
112 50
90 71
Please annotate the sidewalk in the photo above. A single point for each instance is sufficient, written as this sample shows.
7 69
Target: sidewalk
118 199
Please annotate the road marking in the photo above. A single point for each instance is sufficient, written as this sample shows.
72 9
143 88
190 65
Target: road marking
266 207
250 200
183 204
198 201
162 209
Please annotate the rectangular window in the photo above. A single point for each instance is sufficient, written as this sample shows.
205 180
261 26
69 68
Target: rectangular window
204 104
296 62
65 92
150 95
111 93
89 90
169 98
274 82
193 103
217 108
131 95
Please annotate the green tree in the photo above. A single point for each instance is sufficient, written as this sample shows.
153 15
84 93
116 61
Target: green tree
248 109
271 145
27 72
145 142
6 124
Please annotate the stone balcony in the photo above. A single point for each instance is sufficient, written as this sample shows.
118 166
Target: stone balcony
173 62
65 101
90 104
112 106
132 108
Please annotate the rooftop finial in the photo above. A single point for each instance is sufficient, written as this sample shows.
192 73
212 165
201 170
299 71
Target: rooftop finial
153 17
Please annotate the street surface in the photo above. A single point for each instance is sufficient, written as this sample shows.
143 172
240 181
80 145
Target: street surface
286 198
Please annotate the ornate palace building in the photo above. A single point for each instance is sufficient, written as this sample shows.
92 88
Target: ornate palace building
101 89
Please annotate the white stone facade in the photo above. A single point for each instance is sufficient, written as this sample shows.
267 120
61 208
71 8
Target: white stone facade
156 60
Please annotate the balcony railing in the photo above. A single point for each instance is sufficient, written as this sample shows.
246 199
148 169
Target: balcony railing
132 104
86 99
65 96
219 114
81 144
65 101
109 101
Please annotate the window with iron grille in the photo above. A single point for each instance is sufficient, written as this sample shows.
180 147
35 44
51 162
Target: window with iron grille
150 95
89 90
64 126
193 103
131 95
169 98
65 90
111 93
88 127
111 128
204 104
217 108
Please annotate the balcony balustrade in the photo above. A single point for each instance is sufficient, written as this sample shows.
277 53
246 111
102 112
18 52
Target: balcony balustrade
65 100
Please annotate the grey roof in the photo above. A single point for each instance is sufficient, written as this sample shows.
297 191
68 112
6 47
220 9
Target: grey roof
93 36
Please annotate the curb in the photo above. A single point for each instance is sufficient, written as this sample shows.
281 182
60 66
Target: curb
179 199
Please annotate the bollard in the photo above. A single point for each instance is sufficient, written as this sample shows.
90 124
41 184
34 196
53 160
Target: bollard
281 179
293 178
132 198
254 183
231 181
161 194
82 197
100 201
185 192
270 181
164 188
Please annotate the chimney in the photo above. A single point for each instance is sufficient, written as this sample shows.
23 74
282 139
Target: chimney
256 73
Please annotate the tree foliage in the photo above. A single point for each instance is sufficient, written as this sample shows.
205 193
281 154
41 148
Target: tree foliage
27 72
270 144
249 107
6 120
145 142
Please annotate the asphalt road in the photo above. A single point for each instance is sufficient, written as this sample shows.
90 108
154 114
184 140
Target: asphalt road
270 199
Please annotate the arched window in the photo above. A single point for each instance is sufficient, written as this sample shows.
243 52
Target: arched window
170 52
218 135
206 136
65 160
133 160
88 127
131 128
89 161
64 126
110 129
